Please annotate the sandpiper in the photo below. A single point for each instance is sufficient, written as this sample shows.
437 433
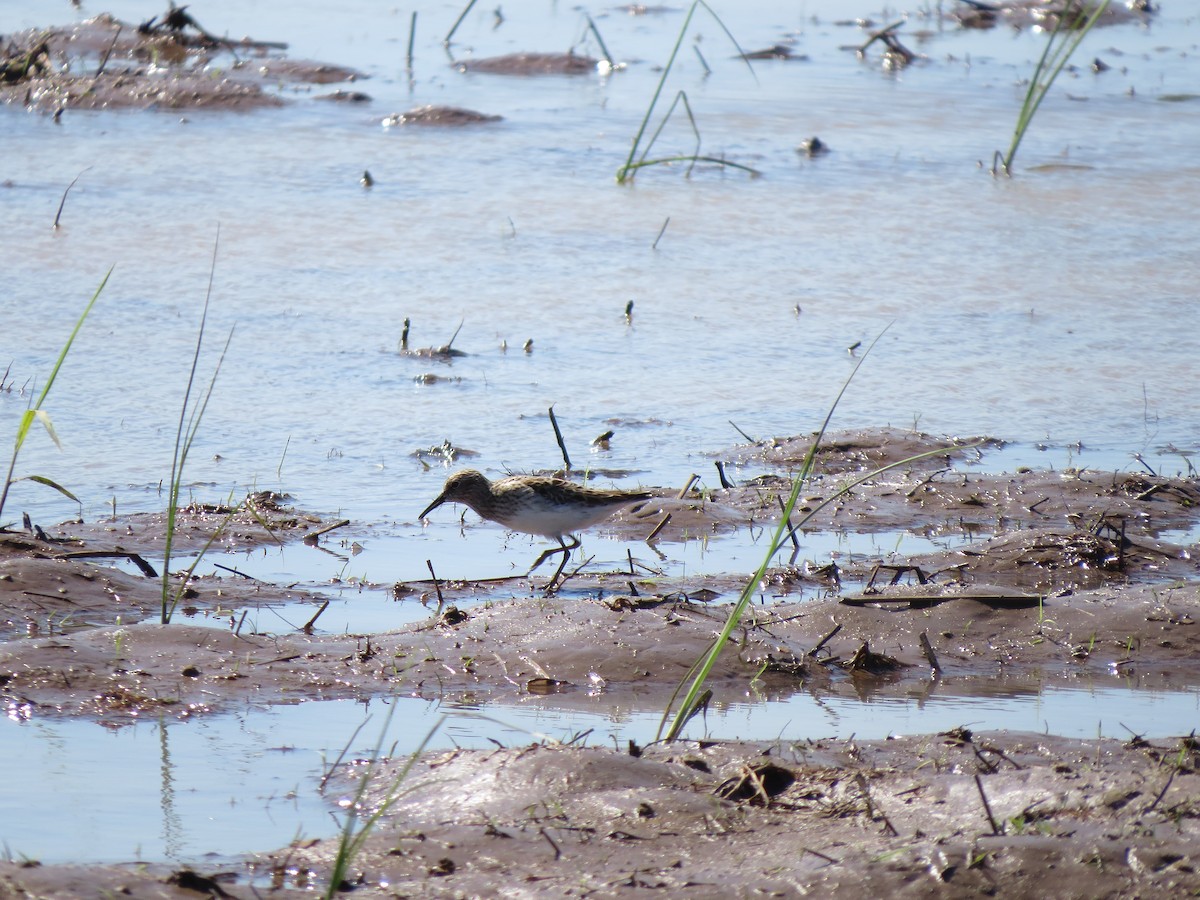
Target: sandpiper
534 504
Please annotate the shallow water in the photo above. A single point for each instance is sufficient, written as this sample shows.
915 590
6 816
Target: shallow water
216 787
1054 310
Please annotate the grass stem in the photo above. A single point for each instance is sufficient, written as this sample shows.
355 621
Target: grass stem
453 28
38 414
1070 28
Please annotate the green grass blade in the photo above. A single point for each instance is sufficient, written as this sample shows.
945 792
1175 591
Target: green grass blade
623 173
696 689
353 834
35 411
603 47
639 151
42 479
662 160
190 416
71 340
1060 47
44 417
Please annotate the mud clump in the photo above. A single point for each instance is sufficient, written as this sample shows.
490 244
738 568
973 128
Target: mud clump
531 64
174 64
450 116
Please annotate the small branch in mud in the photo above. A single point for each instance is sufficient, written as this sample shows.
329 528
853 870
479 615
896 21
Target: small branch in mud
929 654
654 246
996 751
437 587
107 54
238 572
896 56
996 601
825 640
725 482
924 481
1162 793
819 855
987 807
312 536
742 433
560 579
550 840
872 807
897 572
308 626
174 23
659 527
144 567
683 492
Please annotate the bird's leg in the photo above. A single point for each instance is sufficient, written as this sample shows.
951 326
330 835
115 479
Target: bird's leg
563 548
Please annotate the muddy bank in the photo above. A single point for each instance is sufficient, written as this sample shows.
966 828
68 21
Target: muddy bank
948 815
593 654
167 62
1066 577
1059 575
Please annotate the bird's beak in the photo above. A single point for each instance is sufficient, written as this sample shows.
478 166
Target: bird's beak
441 498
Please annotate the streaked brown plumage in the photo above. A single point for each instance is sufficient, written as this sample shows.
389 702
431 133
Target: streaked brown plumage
534 504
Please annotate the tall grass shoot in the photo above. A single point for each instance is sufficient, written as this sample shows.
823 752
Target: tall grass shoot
37 413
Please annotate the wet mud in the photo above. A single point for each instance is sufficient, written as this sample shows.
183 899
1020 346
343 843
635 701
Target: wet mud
446 116
172 63
531 64
949 815
1063 575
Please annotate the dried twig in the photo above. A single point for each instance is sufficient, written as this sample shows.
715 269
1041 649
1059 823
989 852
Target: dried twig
687 487
437 587
659 527
308 626
561 443
987 807
144 567
823 641
929 654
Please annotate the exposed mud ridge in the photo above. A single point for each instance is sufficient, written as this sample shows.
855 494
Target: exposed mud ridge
1066 576
531 64
949 815
104 63
1059 572
1049 14
439 115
